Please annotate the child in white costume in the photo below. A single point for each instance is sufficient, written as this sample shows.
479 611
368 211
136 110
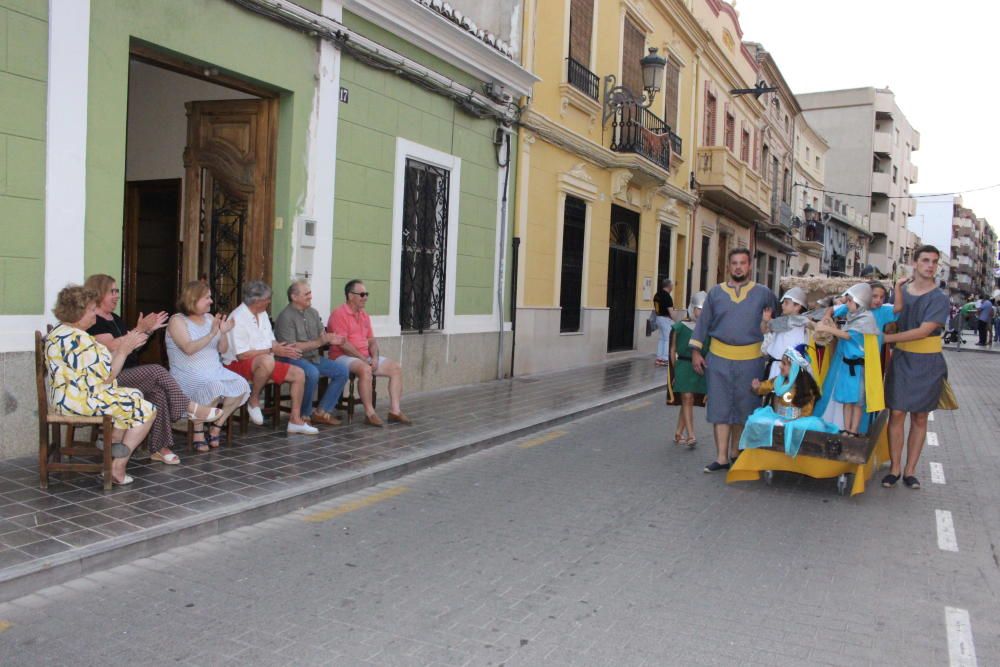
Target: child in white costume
786 331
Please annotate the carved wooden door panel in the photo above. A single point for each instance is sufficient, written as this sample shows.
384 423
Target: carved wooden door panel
229 195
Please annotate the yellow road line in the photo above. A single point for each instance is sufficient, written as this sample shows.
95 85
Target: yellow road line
4 625
340 510
637 406
542 439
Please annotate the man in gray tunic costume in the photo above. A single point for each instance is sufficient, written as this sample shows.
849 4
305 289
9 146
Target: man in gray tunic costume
731 319
917 371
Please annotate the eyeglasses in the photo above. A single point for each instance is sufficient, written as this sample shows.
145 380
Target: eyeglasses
363 295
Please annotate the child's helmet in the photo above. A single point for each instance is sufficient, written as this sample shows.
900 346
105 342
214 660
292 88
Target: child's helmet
796 295
860 294
698 300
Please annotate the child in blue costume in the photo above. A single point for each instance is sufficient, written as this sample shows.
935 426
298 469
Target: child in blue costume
795 394
855 376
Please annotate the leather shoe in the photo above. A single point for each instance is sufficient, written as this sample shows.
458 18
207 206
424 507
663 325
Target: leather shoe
374 420
399 418
324 418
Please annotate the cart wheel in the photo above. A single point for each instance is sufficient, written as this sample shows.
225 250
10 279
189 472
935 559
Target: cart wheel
768 477
842 484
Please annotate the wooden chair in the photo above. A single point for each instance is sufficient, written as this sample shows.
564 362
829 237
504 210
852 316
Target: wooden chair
270 407
51 448
352 398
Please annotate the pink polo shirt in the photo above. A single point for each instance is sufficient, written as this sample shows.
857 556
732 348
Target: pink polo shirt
355 327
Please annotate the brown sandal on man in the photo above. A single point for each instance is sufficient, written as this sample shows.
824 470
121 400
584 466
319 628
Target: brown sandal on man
320 417
399 418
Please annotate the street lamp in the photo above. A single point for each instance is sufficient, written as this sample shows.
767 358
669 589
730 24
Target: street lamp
615 96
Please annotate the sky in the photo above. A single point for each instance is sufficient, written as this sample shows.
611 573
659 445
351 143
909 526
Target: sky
938 60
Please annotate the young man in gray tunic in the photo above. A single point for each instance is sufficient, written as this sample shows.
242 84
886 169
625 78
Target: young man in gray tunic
731 318
917 370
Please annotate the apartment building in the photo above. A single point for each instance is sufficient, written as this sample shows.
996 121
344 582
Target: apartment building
973 253
870 160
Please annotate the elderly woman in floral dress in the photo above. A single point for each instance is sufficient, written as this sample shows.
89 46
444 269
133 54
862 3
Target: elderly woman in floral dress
83 374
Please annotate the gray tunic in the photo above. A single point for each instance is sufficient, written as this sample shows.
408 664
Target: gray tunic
734 321
914 380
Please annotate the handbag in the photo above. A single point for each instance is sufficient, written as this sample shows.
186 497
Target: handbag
651 323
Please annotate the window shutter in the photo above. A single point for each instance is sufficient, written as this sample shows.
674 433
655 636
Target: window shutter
756 149
671 93
581 23
709 122
633 39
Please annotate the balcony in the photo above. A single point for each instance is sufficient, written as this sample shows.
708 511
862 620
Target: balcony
638 130
879 223
914 174
883 143
726 181
811 237
582 78
880 183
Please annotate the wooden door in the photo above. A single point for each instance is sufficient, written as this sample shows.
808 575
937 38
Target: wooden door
151 250
229 195
623 262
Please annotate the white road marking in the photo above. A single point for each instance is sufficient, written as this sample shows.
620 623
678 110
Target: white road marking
932 439
961 650
937 473
945 531
930 416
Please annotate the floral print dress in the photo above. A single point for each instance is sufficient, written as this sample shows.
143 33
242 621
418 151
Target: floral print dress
80 381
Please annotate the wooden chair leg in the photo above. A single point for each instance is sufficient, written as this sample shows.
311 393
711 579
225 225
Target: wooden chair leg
108 440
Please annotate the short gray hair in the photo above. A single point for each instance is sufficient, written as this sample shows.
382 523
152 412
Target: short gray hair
254 291
293 289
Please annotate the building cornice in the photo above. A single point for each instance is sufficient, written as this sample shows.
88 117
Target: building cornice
600 156
438 36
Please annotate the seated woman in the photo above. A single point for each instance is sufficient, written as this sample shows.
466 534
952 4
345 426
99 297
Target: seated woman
83 376
194 341
795 394
153 380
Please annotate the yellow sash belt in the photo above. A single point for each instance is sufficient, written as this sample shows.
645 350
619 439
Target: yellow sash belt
735 352
928 345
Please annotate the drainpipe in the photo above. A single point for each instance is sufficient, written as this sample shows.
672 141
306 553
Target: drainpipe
503 140
692 182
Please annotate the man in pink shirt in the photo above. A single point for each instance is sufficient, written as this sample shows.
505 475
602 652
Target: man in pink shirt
359 353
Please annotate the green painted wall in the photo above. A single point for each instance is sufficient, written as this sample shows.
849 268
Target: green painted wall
23 73
219 34
382 107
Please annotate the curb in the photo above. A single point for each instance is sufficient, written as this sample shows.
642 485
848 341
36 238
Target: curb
30 577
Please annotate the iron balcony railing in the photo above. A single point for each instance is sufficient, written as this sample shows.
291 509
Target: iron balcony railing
635 129
814 231
582 78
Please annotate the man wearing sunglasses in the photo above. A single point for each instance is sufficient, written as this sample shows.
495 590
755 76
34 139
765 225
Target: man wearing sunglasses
359 353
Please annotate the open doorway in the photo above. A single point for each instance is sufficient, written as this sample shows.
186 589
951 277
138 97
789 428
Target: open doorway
199 187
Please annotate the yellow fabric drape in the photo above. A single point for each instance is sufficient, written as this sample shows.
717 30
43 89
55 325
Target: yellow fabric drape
824 367
874 388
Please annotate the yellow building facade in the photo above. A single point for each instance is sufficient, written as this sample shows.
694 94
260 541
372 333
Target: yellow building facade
733 194
604 206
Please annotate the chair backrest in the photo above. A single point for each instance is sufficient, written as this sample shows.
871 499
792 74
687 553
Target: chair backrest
40 374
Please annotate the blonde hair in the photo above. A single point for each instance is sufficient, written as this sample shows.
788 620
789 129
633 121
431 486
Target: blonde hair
190 295
100 283
72 302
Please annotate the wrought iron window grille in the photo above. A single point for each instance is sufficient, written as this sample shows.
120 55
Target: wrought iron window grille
424 247
582 78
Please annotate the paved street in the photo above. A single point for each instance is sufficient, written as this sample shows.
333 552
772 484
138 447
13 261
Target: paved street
596 542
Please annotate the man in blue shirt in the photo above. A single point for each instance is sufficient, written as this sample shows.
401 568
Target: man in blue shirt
984 314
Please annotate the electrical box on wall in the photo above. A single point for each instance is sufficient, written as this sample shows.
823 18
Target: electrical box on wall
307 232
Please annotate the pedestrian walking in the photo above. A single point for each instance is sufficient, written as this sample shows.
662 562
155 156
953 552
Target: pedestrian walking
984 320
687 385
663 305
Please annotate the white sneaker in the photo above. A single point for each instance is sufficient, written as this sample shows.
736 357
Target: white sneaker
256 416
305 429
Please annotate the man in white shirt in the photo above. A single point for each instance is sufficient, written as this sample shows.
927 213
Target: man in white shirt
251 352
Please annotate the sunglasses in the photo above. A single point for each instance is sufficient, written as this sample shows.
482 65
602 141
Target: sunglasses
363 295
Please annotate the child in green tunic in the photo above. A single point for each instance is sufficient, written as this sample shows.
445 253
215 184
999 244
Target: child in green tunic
687 384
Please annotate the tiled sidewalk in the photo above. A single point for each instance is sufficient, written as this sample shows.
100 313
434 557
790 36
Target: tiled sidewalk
75 526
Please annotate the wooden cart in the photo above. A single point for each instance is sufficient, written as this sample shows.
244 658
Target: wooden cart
822 455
